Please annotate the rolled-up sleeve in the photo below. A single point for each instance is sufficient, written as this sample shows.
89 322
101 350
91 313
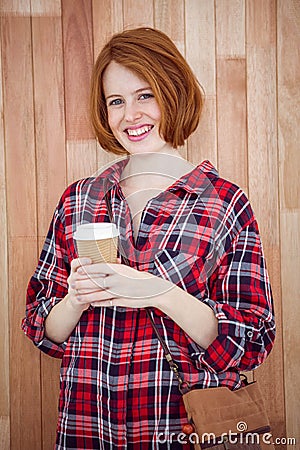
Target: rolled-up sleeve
241 299
47 287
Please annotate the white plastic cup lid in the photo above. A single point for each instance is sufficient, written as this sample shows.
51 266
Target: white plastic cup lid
96 231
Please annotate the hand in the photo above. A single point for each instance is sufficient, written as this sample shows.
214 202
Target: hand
73 296
118 285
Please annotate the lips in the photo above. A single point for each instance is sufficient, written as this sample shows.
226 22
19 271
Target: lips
138 131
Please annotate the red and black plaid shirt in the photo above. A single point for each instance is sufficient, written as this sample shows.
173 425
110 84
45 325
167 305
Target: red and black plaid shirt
117 390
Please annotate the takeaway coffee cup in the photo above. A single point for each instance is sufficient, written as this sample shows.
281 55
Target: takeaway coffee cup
98 241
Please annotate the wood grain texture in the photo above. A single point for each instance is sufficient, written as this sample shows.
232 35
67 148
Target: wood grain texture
270 375
137 13
262 12
24 364
230 28
107 20
262 141
5 433
288 102
202 144
288 43
4 305
200 42
50 368
200 54
15 7
262 166
169 18
82 159
104 158
231 107
46 8
78 62
19 125
290 262
25 391
49 116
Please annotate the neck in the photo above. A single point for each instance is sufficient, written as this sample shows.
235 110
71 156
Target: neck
154 169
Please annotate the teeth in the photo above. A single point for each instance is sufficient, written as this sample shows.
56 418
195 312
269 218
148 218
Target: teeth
138 131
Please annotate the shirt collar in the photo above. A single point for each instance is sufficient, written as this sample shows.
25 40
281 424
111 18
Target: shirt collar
198 179
195 181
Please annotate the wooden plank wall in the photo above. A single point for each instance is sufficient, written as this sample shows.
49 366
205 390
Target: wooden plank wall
246 55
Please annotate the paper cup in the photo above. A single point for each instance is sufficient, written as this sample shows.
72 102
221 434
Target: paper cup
98 241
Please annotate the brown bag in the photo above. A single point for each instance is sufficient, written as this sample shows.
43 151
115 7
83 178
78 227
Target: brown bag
219 418
233 419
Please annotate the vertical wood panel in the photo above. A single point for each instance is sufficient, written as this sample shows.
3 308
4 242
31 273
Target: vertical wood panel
288 19
24 362
230 28
169 18
51 170
82 159
107 20
50 397
231 91
19 127
45 7
17 7
263 165
78 62
25 383
5 432
231 101
136 13
4 312
49 116
290 251
200 54
289 101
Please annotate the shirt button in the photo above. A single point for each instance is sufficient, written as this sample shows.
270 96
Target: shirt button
250 334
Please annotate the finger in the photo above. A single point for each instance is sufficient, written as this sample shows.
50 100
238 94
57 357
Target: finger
89 285
95 284
104 268
97 296
78 262
120 301
103 303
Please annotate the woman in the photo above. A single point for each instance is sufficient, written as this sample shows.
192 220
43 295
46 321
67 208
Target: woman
189 250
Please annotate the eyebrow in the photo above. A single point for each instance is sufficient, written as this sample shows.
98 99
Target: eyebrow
135 92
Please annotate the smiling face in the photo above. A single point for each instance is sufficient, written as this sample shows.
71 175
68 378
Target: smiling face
133 112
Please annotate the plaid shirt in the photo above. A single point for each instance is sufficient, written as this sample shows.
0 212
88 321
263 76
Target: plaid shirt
117 390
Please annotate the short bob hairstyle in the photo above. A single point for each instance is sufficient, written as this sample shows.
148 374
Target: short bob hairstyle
152 56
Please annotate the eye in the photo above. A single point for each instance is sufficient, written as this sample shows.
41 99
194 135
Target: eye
146 96
115 102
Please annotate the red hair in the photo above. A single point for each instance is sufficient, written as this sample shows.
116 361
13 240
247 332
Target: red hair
152 56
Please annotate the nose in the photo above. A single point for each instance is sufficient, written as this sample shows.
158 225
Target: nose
132 112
